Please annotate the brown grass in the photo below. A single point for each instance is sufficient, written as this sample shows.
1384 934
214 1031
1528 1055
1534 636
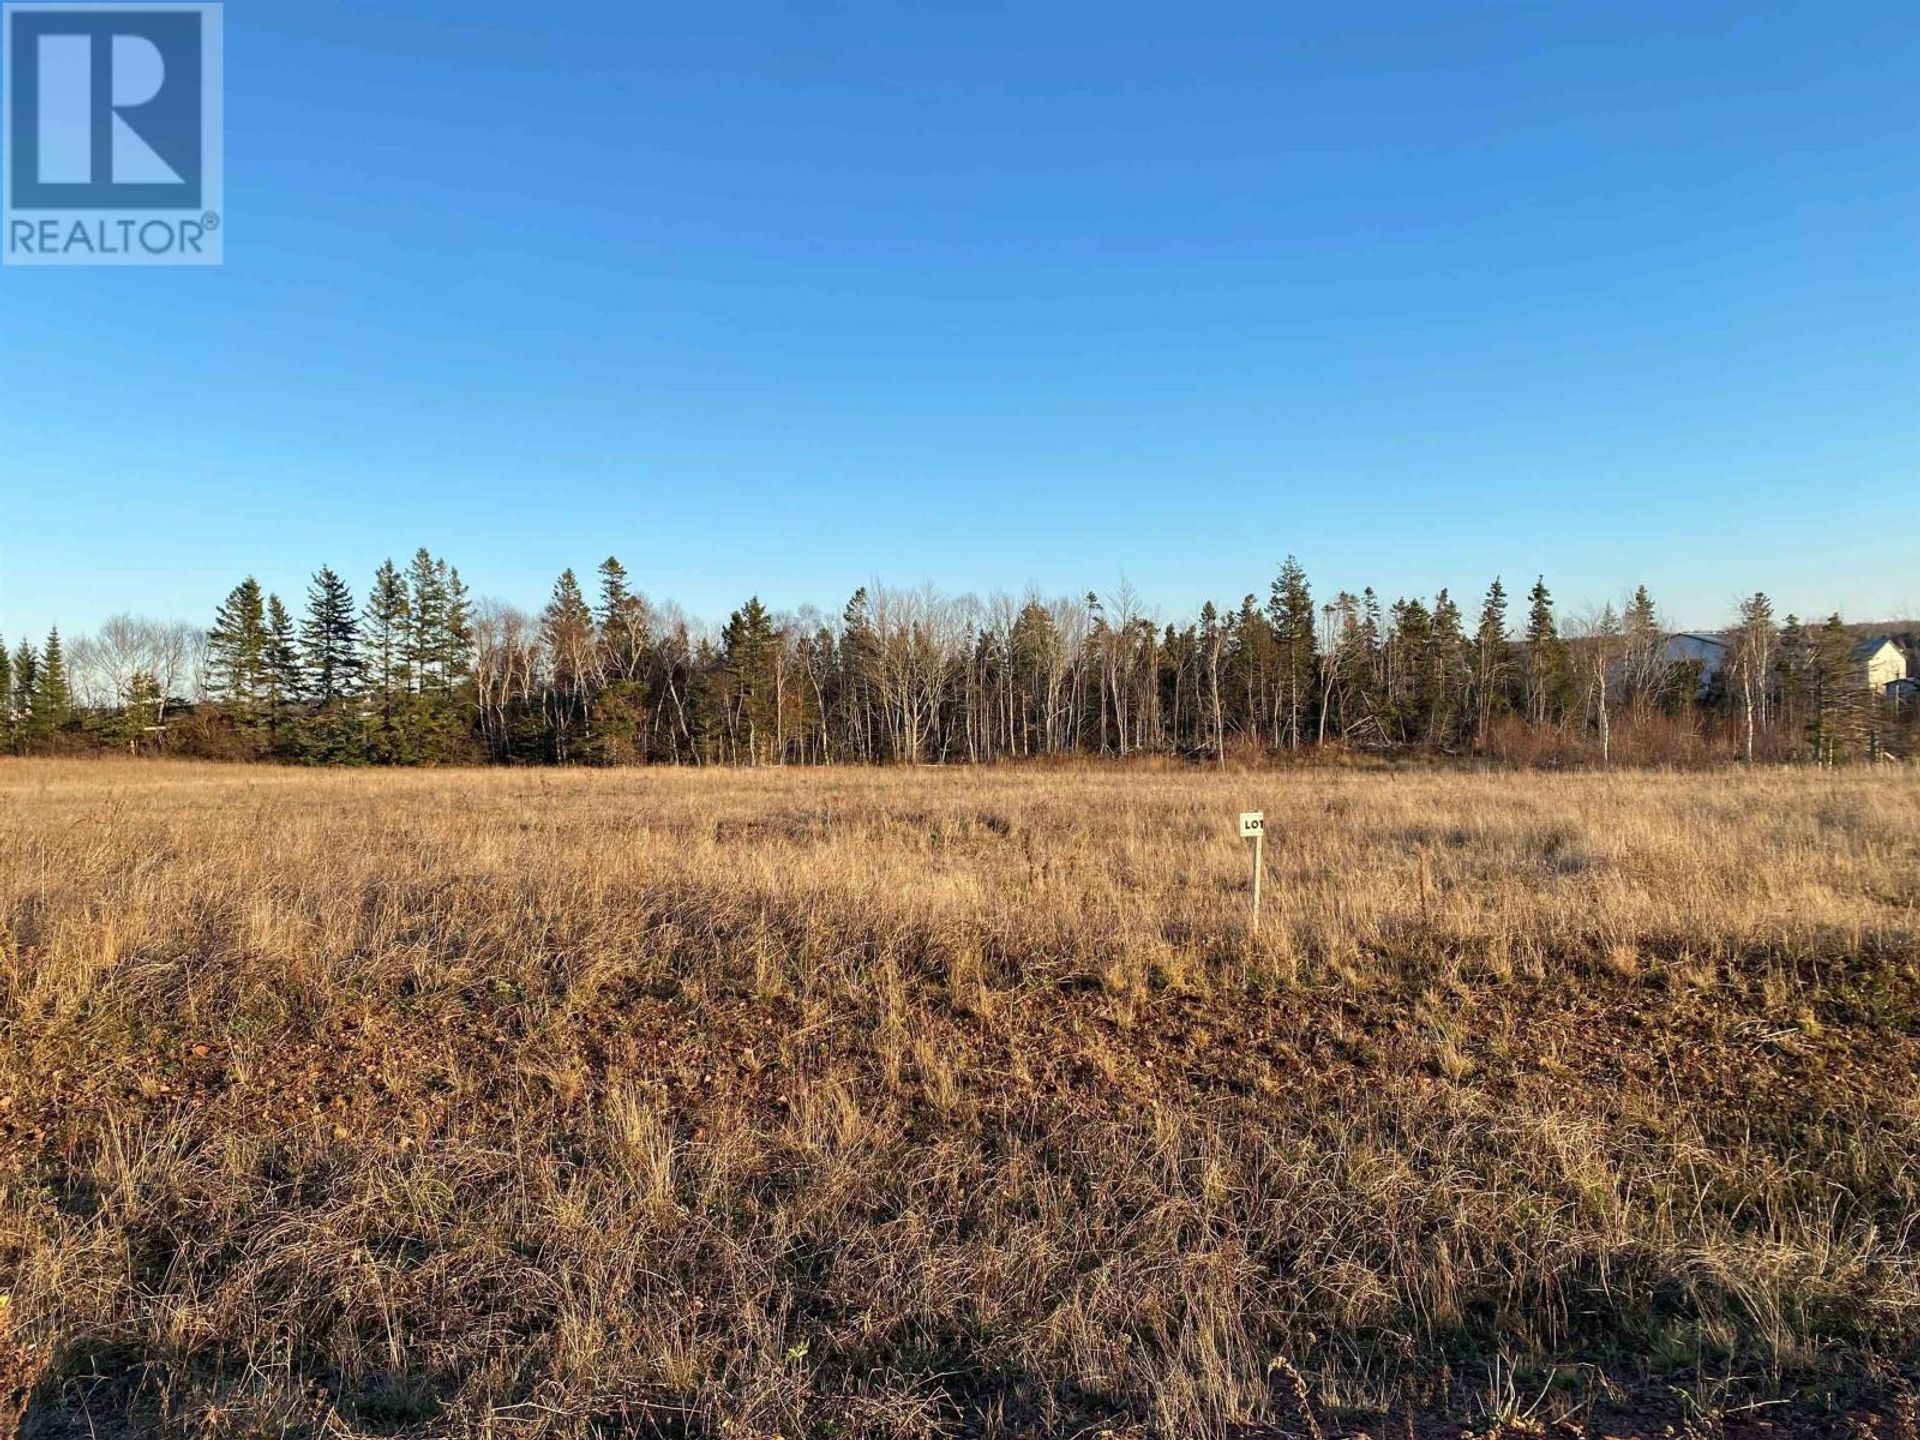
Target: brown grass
884 1103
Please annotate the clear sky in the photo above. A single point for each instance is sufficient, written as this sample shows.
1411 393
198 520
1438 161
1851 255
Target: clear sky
783 298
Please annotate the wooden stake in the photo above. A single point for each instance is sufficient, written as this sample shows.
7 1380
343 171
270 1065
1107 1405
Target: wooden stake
1259 864
1253 826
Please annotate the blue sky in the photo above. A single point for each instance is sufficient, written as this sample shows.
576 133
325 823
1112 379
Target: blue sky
783 298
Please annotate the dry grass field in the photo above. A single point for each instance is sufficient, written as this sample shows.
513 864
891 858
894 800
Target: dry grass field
868 1103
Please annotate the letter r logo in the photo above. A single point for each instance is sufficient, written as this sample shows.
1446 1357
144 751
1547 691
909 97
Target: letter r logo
105 107
67 115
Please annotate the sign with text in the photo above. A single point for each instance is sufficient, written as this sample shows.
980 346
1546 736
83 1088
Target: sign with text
112 150
1253 826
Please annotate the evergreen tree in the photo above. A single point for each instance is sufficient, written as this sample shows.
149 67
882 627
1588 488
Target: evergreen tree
6 694
455 657
143 720
623 622
237 652
1373 670
1752 661
426 645
1450 670
25 668
283 653
1641 618
1645 671
1546 658
1251 666
445 734
1409 668
282 682
1492 659
747 647
1290 612
1793 672
433 620
614 594
567 627
1841 709
566 630
329 639
52 707
859 659
621 714
1212 644
386 638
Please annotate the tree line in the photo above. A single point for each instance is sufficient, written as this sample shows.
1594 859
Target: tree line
417 672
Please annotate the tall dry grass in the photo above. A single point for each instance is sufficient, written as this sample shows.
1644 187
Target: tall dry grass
912 1103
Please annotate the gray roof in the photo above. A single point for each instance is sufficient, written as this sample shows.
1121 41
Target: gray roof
1699 637
1868 648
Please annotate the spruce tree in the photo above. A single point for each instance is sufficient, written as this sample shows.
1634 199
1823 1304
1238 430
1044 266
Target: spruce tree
456 629
441 735
426 648
1645 668
1841 703
385 637
237 650
1408 661
614 594
1546 653
329 639
6 693
1290 612
567 627
143 721
283 681
387 644
1492 660
25 666
621 716
1793 670
1373 634
859 661
748 653
566 630
1642 621
623 621
1449 669
1251 666
1751 662
52 696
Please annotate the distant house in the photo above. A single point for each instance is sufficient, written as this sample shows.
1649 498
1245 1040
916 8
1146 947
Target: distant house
1877 660
1694 647
1880 664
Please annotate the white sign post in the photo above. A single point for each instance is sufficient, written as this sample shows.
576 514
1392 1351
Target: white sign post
1253 826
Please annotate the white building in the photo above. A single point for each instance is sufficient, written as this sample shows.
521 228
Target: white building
1694 647
1880 664
1878 661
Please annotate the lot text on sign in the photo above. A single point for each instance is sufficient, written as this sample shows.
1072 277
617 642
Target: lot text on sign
1252 824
